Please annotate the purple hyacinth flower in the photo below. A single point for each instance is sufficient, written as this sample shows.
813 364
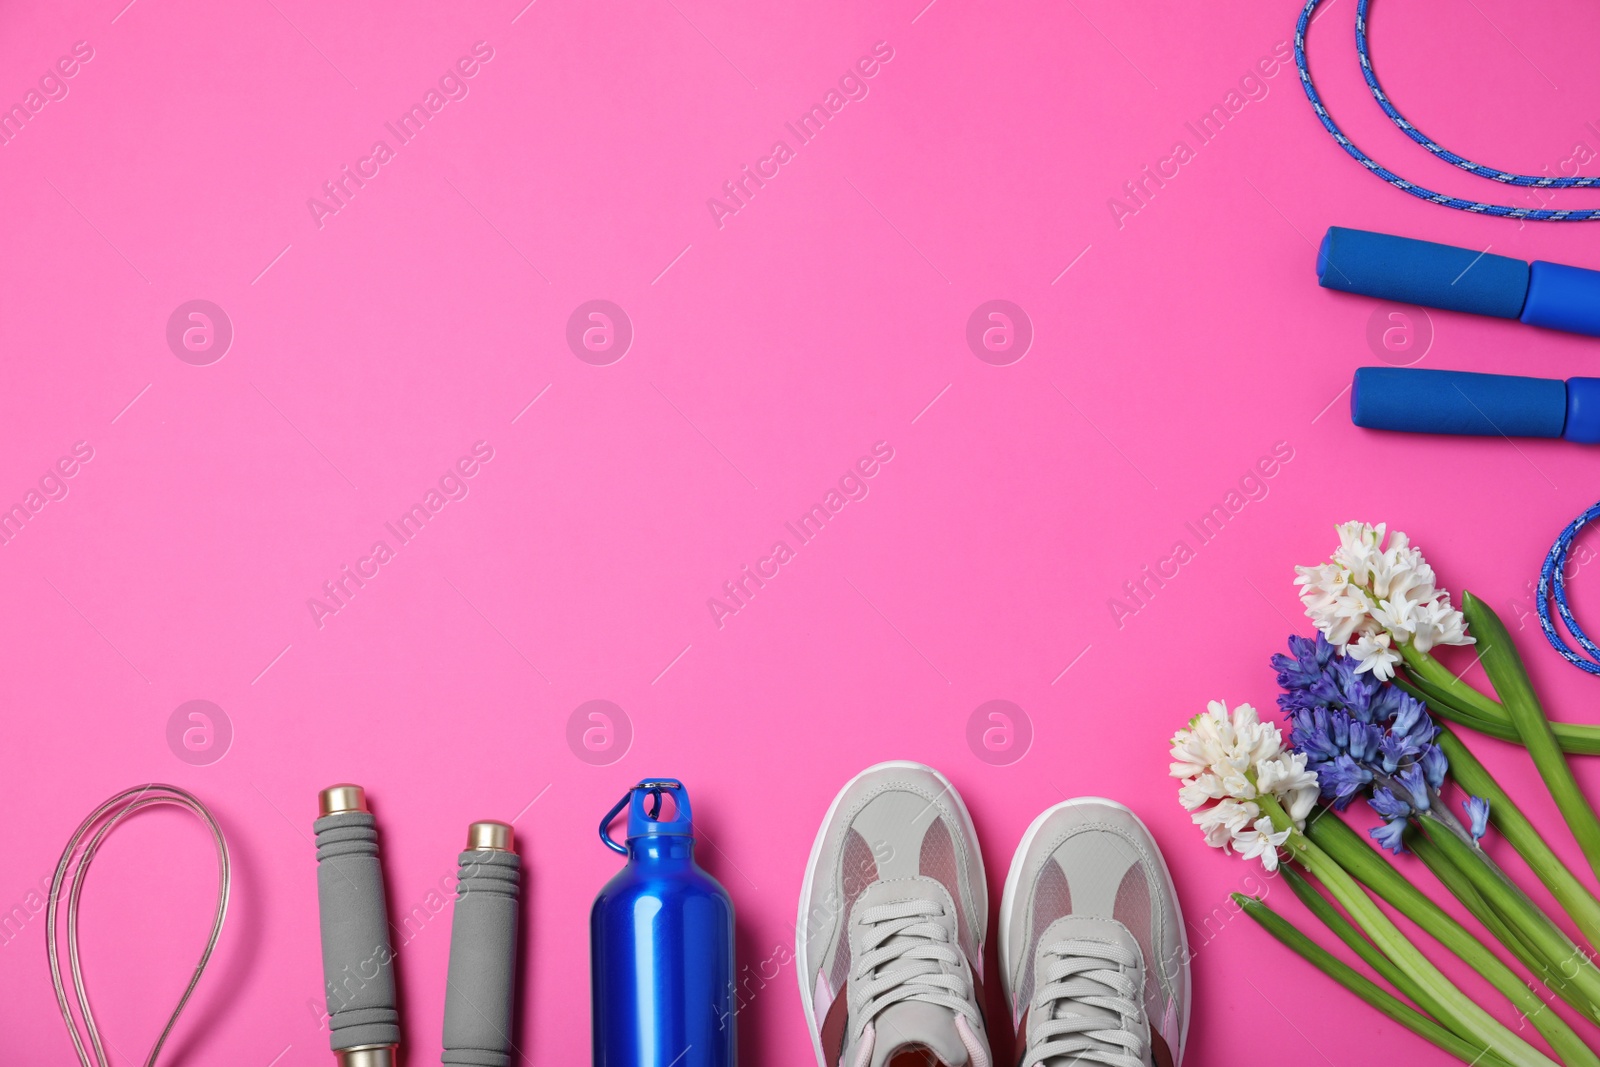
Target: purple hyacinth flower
1389 805
1478 815
1342 780
1411 719
1361 736
1391 835
1311 733
1435 765
1365 740
1394 749
1412 781
1305 663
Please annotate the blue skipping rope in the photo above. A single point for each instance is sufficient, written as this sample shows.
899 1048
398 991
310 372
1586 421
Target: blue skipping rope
1553 585
1531 181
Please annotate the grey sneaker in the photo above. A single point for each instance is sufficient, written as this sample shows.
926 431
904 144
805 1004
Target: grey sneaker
1092 947
892 923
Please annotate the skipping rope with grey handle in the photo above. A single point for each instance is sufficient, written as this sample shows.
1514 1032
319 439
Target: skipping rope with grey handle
357 960
479 998
71 871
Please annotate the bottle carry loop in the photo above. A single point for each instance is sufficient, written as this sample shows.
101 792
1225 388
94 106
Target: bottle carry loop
645 820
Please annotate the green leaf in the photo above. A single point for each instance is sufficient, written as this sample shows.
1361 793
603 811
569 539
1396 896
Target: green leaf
1352 936
1538 929
1357 855
1451 698
1460 1012
1510 679
1506 933
1520 833
1364 987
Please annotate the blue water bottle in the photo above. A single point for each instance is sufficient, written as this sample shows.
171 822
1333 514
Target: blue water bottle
661 943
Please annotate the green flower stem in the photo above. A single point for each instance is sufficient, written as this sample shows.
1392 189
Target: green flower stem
1515 827
1462 888
1433 683
1510 679
1364 987
1541 932
1458 1011
1444 707
1461 693
1356 855
1347 932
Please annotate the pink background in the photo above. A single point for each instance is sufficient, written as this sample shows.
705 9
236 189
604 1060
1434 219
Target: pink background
829 313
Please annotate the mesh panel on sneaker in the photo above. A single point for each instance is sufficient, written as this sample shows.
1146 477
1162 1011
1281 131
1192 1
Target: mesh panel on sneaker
1133 910
858 869
938 861
1052 900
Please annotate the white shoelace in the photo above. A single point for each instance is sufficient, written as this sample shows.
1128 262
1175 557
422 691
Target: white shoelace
1092 974
910 955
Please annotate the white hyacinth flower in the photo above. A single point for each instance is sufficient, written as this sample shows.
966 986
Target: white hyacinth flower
1261 840
1287 779
1201 790
1371 600
1227 761
1223 820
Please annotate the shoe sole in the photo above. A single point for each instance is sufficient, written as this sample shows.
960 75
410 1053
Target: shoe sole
1008 902
800 930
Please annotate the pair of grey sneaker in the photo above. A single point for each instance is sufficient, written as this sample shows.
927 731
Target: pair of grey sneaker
894 914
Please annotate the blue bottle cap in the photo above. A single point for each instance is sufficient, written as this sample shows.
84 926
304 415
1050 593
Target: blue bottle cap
645 802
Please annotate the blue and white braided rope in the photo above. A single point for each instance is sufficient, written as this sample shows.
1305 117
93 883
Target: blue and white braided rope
1553 585
1473 206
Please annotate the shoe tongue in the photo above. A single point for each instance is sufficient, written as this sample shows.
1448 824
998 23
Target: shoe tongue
913 1025
1099 930
908 1027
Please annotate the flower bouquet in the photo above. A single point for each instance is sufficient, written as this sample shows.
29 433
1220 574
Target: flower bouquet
1361 701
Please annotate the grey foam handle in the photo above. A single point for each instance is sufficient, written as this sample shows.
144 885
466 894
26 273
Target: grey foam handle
357 961
478 1001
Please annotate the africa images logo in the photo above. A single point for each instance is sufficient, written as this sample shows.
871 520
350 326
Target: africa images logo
852 86
338 592
740 590
453 84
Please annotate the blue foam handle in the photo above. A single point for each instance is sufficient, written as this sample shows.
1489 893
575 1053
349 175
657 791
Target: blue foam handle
1459 402
1563 298
1422 272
